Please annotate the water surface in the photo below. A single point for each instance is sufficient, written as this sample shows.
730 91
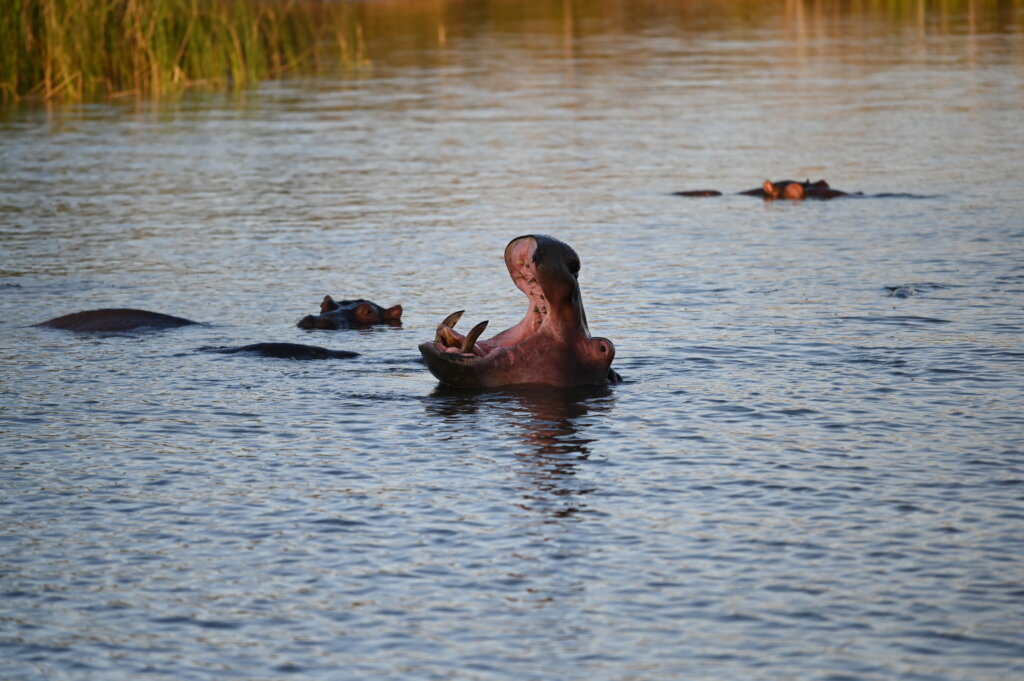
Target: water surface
803 477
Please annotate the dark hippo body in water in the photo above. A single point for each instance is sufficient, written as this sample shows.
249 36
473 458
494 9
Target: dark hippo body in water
285 351
799 191
129 319
550 346
115 319
351 314
795 191
782 189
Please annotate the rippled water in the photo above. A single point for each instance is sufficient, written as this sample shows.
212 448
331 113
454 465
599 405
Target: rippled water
804 476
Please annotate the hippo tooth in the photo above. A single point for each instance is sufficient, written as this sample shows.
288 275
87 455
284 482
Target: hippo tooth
451 320
446 337
474 333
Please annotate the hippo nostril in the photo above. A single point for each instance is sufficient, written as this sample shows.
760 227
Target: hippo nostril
603 348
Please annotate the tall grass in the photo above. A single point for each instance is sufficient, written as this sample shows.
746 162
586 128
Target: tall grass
80 49
75 49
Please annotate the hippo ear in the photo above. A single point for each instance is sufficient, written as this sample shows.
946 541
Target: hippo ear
769 189
328 305
392 314
365 313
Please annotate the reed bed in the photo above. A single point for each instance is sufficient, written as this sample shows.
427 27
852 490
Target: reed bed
76 49
83 49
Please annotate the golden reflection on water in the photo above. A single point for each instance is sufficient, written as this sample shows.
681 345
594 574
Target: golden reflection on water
793 33
591 34
443 23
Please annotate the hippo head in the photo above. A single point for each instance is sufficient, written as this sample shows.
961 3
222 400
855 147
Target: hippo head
798 191
348 314
550 346
786 189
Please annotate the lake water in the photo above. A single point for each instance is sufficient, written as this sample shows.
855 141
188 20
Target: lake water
802 477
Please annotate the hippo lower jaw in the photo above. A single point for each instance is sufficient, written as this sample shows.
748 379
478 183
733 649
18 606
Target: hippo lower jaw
542 358
550 346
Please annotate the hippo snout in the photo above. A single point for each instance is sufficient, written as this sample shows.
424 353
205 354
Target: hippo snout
317 322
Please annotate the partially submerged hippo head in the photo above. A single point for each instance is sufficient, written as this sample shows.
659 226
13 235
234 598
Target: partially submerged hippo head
781 189
786 189
349 314
798 191
550 346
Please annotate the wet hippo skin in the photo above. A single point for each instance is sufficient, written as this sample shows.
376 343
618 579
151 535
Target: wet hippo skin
286 351
550 346
115 319
351 314
782 189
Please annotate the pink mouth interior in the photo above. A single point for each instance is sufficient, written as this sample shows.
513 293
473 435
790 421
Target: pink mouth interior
519 260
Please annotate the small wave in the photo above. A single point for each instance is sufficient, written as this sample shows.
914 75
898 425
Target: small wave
192 621
900 320
338 522
898 195
913 289
795 412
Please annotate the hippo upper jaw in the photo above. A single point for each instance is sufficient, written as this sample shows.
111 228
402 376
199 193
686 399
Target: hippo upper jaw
550 346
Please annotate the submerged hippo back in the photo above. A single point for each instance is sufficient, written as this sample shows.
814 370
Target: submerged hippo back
286 351
115 319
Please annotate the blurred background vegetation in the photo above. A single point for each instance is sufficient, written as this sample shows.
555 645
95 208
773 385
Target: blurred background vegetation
83 49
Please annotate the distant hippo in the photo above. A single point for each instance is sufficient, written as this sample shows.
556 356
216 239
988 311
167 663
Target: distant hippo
115 319
351 314
783 189
795 191
286 351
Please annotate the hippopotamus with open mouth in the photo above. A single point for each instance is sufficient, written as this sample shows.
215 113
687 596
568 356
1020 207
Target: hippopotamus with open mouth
550 346
351 314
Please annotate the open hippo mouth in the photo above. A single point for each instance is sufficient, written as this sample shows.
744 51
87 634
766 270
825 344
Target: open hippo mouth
550 346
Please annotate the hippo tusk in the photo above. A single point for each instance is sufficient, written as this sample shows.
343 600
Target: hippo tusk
448 338
445 334
474 333
451 320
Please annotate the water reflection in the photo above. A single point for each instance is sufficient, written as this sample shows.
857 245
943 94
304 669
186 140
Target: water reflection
550 418
553 426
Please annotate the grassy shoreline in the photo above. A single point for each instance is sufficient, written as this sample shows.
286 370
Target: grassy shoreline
78 49
74 50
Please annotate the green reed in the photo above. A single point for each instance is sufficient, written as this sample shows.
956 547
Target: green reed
73 49
79 49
